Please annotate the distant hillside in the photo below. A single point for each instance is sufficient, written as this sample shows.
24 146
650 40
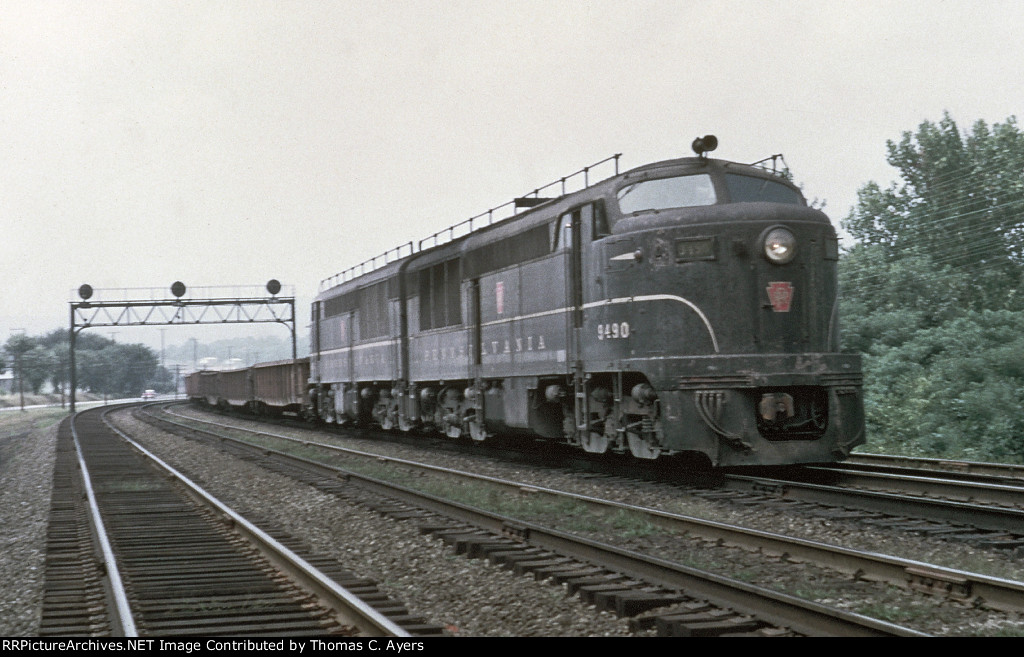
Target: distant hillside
236 351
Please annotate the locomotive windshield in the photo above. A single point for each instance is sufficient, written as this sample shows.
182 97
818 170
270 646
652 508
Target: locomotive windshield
744 189
694 190
663 193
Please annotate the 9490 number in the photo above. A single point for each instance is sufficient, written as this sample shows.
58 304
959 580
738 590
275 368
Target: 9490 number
613 331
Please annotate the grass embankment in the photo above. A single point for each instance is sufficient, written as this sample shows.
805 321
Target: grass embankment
13 423
13 400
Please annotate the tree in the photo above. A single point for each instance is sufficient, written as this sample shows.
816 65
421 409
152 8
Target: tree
886 300
137 364
960 202
104 366
60 357
17 346
931 294
952 390
37 365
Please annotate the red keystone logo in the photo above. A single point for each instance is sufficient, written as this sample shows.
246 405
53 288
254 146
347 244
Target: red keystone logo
780 293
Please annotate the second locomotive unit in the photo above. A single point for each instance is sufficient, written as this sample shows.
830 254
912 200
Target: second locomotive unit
684 306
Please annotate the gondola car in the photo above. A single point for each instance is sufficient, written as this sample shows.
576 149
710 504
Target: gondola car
277 388
280 387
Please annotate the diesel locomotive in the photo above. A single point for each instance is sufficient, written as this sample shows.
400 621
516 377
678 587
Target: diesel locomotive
688 305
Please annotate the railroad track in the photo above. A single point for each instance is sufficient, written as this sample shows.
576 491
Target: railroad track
173 566
692 601
985 514
957 585
971 487
967 470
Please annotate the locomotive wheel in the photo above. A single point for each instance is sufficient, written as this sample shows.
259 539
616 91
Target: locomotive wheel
452 430
477 431
386 413
640 447
594 442
450 412
405 424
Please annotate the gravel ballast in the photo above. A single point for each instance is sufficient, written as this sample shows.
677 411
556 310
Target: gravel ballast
469 597
917 610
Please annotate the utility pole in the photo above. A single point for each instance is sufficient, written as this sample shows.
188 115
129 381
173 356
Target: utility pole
107 384
63 367
21 372
162 371
21 382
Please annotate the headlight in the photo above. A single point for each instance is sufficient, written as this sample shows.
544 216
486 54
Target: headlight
780 246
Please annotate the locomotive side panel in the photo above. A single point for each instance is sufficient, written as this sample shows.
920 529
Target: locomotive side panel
523 337
334 358
435 310
374 347
441 355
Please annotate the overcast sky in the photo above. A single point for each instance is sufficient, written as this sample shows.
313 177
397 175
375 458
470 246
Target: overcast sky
227 143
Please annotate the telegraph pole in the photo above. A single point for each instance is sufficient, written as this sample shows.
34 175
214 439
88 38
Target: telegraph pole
21 373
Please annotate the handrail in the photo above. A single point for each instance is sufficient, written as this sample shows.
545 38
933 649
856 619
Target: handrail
775 159
466 226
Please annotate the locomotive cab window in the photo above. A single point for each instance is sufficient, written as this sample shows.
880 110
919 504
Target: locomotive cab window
665 193
747 189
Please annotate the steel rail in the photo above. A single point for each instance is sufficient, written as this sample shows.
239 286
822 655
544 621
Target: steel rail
994 592
955 466
918 483
781 609
998 519
122 618
347 605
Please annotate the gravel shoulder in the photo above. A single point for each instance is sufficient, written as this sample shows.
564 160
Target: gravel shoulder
26 470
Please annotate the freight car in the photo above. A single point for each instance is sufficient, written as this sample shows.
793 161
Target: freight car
201 387
685 306
280 387
272 389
